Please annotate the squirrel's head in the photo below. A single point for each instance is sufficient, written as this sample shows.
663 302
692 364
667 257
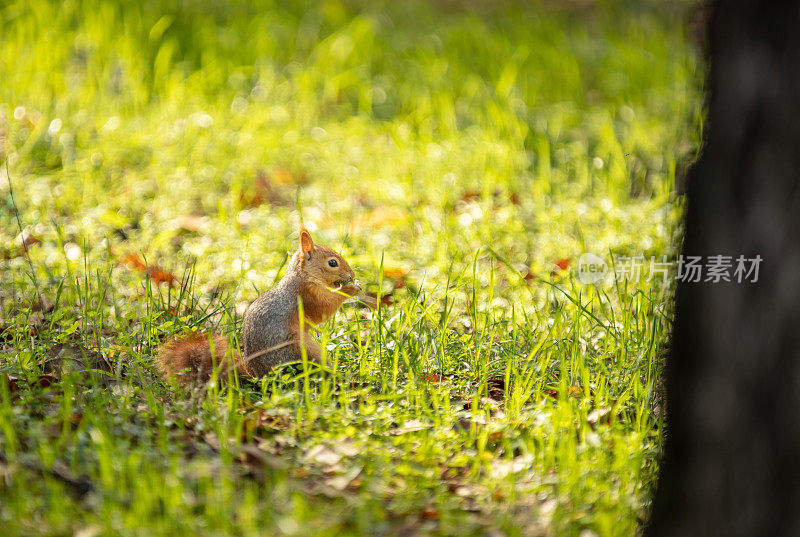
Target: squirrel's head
325 267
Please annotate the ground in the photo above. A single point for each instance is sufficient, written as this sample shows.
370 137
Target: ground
461 155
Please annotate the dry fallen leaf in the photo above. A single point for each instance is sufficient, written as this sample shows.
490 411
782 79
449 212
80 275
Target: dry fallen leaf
598 415
300 473
272 189
411 426
27 239
370 300
340 482
561 265
429 513
132 261
159 276
285 177
278 422
394 273
433 378
156 274
212 440
574 391
470 195
322 454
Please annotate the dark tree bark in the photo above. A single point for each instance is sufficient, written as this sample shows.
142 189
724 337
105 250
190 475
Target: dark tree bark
732 454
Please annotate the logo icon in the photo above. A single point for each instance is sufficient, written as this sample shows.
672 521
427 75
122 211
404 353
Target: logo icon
591 268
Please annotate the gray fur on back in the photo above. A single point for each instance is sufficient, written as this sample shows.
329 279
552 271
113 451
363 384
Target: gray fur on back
267 323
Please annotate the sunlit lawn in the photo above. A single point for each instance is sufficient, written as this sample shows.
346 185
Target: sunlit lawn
454 152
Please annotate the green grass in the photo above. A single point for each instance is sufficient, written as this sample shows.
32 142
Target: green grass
448 153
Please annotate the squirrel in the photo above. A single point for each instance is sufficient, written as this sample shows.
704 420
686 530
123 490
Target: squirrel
271 333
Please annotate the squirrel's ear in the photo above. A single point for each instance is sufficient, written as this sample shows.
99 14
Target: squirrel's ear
306 242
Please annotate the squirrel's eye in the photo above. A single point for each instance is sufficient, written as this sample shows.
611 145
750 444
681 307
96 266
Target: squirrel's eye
333 263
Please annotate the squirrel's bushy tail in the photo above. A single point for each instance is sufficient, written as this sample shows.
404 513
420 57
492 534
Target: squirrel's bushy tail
192 360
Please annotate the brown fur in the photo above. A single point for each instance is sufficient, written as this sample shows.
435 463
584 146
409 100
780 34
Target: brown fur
271 332
194 359
319 303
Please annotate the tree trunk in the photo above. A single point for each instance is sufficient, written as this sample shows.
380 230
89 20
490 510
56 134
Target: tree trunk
732 454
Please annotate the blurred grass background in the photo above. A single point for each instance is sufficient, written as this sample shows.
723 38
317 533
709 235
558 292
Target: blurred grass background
418 135
130 113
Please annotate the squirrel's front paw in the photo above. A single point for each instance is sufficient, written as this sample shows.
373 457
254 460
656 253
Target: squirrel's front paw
352 288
